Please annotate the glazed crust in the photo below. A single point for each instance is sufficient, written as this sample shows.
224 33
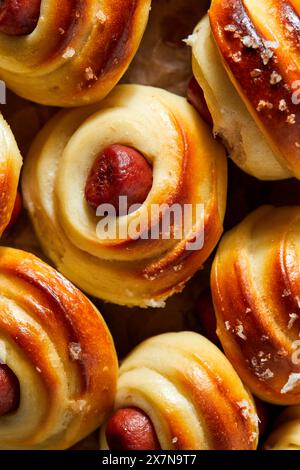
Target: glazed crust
255 286
178 145
245 141
259 45
10 166
77 53
190 392
61 351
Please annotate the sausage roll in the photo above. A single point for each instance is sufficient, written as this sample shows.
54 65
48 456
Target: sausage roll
68 52
58 366
246 59
178 391
286 435
256 291
10 166
145 145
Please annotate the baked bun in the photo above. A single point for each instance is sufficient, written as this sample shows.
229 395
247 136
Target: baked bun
10 166
246 61
256 290
58 362
67 53
286 435
171 149
188 391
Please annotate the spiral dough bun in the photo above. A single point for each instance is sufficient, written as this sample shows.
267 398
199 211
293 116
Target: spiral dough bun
256 292
246 60
191 393
189 166
10 166
60 350
286 435
77 52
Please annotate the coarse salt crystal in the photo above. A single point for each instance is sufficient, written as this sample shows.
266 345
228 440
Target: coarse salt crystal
69 52
293 318
292 382
282 105
240 331
75 351
101 16
275 78
291 119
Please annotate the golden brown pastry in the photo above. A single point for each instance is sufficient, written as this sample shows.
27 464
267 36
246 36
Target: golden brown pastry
10 166
177 391
256 291
286 434
58 363
68 53
150 146
246 59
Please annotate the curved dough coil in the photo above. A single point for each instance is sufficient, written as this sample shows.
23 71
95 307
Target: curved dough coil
247 62
60 349
77 53
286 435
188 167
256 291
190 392
10 166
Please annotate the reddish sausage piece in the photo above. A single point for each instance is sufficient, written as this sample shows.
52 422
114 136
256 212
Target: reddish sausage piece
196 98
118 171
131 429
9 390
19 17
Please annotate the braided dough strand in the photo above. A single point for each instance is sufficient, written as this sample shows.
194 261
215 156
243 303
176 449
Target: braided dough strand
59 348
189 167
77 53
255 286
191 393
